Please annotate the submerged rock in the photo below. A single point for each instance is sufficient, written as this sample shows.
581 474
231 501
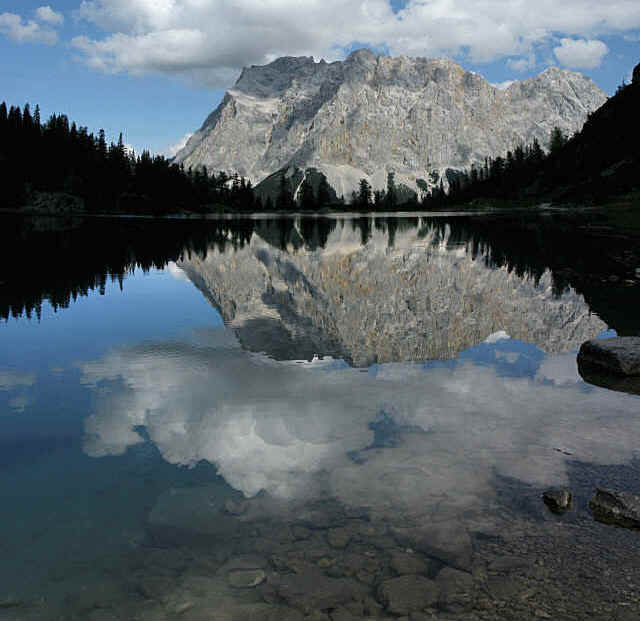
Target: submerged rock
449 542
311 590
404 563
236 507
456 589
558 500
338 537
408 593
619 508
246 578
618 355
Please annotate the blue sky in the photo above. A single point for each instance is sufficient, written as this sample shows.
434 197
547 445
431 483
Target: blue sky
154 69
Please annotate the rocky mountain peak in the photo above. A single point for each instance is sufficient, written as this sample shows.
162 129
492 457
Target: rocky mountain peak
367 115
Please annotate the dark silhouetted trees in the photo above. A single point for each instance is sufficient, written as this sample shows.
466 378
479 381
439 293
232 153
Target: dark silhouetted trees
60 157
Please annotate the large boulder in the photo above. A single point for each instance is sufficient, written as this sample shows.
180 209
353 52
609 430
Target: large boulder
619 355
619 508
598 376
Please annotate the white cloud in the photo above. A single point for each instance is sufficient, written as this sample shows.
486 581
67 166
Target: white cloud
212 41
177 272
502 86
21 31
174 148
580 53
518 64
48 15
500 335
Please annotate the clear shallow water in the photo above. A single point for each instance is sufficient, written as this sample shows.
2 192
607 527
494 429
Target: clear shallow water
323 410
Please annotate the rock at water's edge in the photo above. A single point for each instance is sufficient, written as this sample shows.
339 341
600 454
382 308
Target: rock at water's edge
599 376
619 508
619 355
558 500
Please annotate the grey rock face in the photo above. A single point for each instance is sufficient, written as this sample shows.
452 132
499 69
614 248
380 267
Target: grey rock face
372 303
619 355
619 508
367 115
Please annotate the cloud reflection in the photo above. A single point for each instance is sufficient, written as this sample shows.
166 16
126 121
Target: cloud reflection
292 429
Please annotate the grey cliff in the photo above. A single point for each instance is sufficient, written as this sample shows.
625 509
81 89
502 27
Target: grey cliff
368 115
418 300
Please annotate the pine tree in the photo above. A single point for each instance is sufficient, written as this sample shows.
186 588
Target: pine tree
364 195
102 146
391 197
324 195
557 141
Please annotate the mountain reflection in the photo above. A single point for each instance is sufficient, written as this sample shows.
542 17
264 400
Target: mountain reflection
382 291
399 438
59 259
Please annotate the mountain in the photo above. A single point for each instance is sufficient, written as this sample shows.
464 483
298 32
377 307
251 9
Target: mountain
598 164
368 115
374 295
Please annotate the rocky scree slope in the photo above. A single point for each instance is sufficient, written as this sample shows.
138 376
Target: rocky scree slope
367 115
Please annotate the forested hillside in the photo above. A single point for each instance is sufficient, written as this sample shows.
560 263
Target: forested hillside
88 174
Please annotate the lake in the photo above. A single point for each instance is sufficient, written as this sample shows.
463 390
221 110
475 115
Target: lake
314 418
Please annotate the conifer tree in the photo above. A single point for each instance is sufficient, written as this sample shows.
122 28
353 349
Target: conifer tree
391 197
324 195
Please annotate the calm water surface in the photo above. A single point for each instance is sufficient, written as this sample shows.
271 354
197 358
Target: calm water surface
313 418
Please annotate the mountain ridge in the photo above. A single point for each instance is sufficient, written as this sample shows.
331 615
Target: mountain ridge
368 115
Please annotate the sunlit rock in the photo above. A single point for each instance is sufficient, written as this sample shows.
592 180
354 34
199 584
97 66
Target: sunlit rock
369 114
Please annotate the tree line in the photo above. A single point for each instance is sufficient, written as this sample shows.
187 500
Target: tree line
62 157
57 156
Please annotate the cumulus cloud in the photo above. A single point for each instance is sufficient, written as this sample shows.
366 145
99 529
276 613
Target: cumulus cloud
174 148
502 86
212 41
518 64
26 31
580 53
48 15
